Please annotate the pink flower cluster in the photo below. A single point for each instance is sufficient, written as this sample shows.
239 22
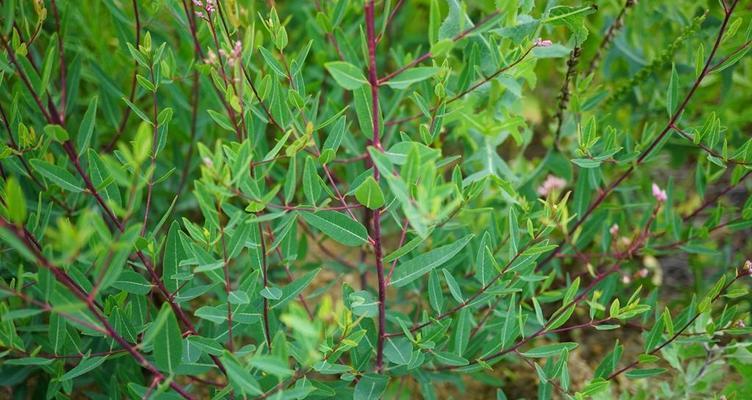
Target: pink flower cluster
551 184
659 193
233 57
543 42
210 6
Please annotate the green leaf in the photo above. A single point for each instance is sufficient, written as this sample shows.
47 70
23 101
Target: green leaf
587 163
137 110
57 175
370 387
56 133
168 342
337 226
398 350
21 314
406 248
412 75
454 287
422 264
85 130
15 201
364 303
435 295
17 244
549 350
86 365
29 361
369 194
271 293
239 376
209 346
173 254
221 120
295 287
333 140
132 282
272 62
451 359
644 373
672 95
239 238
363 108
271 365
347 75
311 185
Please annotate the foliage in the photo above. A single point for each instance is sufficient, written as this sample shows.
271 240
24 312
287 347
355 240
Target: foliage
366 199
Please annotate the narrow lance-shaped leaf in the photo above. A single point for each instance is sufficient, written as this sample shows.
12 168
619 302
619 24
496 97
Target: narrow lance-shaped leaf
422 264
337 226
672 94
57 175
168 342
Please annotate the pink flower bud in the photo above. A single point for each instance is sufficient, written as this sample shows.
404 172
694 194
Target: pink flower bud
551 184
211 6
614 230
659 193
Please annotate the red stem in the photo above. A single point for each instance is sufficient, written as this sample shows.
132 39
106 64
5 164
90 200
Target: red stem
373 80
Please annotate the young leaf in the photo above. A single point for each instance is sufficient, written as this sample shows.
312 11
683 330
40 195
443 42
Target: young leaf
369 194
85 130
311 185
672 94
15 201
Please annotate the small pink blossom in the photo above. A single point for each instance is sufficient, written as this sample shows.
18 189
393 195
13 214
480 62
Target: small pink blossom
614 229
659 193
211 58
642 273
234 56
626 279
211 6
551 184
543 42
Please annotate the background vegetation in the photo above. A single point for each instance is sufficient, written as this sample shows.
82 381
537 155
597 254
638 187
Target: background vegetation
366 199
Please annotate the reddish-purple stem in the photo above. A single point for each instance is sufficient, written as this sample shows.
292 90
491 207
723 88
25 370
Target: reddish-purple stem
373 80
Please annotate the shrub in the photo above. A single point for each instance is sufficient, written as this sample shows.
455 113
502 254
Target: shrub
366 199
